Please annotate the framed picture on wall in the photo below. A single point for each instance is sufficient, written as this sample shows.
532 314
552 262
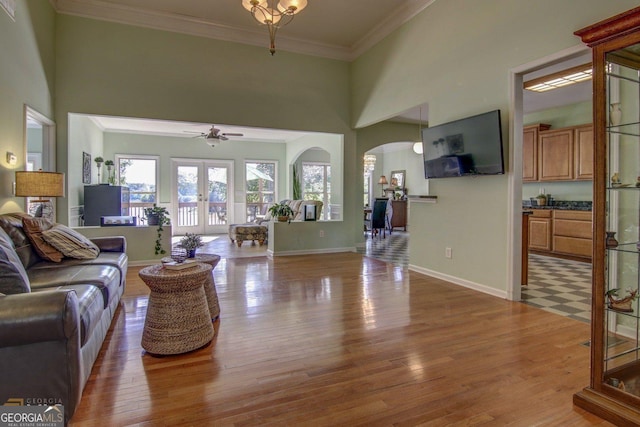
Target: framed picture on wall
309 212
86 168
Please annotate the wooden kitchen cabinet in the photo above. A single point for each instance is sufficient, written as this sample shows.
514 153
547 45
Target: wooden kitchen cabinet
555 154
564 154
561 233
530 151
540 230
583 149
572 231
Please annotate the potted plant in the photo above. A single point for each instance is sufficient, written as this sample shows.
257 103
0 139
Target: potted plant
190 242
99 161
281 211
159 216
297 187
111 179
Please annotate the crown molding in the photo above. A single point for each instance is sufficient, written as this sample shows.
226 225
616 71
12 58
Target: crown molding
101 10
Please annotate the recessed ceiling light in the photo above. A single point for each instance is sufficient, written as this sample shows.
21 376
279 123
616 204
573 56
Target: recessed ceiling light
573 75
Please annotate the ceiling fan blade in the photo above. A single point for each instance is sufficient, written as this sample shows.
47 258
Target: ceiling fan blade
223 138
232 134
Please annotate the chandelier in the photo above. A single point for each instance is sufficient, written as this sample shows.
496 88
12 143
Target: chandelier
369 163
274 18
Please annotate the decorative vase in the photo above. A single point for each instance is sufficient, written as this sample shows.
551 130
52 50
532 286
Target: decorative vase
615 114
611 241
191 253
283 218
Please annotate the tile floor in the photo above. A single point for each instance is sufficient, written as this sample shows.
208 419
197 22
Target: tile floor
559 286
556 285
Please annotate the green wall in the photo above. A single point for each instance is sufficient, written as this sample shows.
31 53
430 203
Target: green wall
456 56
27 74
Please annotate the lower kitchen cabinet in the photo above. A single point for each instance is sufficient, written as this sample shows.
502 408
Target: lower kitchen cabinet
562 233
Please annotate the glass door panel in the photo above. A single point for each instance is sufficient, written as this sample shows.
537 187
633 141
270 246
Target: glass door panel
201 198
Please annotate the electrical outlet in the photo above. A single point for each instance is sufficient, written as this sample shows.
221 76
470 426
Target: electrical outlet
321 233
447 253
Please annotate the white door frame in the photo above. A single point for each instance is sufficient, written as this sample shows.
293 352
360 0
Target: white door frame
514 250
203 227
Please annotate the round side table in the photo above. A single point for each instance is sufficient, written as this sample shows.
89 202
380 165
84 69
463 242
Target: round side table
178 318
209 285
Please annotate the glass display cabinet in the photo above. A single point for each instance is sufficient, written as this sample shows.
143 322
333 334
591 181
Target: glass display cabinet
614 389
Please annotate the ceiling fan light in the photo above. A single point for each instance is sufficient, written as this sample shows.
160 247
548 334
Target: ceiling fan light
249 4
292 6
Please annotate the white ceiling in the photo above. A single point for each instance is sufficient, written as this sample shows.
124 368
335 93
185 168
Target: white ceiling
325 28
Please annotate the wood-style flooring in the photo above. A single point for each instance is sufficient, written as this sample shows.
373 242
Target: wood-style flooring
344 340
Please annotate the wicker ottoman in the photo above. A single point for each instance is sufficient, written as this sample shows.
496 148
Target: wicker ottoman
178 318
241 232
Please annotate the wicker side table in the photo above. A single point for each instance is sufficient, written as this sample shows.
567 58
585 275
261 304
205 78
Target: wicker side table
178 318
209 285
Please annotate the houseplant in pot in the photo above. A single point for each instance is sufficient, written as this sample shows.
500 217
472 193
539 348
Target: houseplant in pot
99 161
190 242
158 216
281 211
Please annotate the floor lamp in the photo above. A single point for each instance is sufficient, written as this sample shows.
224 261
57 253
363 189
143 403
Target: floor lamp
41 185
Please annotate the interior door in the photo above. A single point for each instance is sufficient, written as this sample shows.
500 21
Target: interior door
201 196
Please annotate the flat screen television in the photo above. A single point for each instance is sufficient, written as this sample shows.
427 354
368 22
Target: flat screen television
466 147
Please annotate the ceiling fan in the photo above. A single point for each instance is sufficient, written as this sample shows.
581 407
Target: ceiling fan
215 134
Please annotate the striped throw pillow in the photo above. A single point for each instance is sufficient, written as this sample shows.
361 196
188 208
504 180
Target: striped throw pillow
71 243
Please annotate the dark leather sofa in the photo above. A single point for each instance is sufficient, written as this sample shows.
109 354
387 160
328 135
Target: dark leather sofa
52 332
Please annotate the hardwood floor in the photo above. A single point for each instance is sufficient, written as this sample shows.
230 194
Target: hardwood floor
342 339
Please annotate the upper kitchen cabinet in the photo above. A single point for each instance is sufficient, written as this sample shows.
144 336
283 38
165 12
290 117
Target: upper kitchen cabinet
555 154
530 151
583 149
564 154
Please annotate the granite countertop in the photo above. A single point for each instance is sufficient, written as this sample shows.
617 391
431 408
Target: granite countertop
561 205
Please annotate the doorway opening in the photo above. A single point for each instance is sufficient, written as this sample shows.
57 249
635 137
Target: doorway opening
555 284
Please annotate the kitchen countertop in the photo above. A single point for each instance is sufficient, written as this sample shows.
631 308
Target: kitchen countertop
561 205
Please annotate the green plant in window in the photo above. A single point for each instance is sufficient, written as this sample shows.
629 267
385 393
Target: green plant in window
297 189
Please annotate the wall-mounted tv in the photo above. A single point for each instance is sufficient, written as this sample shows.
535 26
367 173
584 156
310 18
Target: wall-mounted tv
466 147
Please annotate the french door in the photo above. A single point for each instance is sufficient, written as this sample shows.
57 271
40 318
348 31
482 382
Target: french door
202 196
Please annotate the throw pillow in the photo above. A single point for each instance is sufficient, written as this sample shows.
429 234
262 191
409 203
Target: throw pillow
13 277
34 227
71 243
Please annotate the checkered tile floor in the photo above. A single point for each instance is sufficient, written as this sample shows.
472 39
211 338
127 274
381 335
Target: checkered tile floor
559 286
393 249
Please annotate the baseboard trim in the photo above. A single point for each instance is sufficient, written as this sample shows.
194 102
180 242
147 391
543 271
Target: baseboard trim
460 282
311 251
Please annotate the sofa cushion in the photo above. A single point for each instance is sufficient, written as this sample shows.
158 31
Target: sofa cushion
11 223
115 259
105 277
13 277
33 227
70 242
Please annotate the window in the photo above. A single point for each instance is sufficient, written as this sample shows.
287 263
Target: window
140 174
317 184
367 190
261 188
